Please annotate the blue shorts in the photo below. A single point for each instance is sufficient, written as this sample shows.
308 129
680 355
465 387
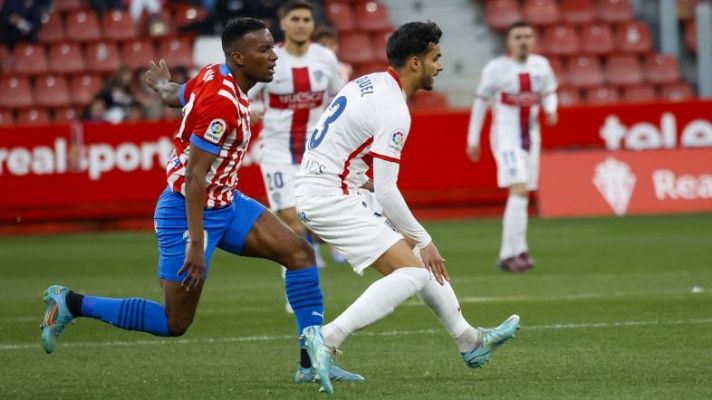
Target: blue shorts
225 228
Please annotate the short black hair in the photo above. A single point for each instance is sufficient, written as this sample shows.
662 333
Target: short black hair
411 39
324 32
515 25
292 5
238 28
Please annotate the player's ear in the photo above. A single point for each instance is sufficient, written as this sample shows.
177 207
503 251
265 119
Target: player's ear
238 58
415 63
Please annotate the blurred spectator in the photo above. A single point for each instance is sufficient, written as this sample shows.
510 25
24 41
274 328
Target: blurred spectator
136 112
117 95
21 19
95 111
328 38
101 6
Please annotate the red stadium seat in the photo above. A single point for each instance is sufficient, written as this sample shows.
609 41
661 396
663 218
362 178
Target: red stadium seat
51 91
6 118
102 57
83 26
499 14
634 37
66 58
137 53
569 96
624 71
597 39
541 12
584 72
680 91
69 5
84 88
615 10
365 69
341 16
686 9
373 17
34 116
64 115
424 100
52 30
577 11
5 60
356 48
561 40
176 52
639 94
558 67
186 14
379 46
30 59
661 69
15 92
602 95
118 25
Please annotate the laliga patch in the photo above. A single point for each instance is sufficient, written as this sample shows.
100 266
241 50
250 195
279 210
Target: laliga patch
397 141
216 129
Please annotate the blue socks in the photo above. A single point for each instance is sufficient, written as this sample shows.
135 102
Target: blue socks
305 297
133 314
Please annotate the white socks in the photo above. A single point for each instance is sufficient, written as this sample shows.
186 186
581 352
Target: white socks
379 300
443 302
514 227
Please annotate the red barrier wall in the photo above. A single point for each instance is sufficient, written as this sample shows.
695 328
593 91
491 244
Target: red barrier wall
107 171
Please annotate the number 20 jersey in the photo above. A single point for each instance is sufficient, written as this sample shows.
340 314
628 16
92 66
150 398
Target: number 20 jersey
368 118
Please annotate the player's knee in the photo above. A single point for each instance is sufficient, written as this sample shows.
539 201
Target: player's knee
301 256
178 325
518 189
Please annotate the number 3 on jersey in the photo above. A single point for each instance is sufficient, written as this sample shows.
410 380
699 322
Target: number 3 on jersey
333 112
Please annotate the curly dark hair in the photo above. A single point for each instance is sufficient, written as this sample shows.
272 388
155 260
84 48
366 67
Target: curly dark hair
238 28
411 39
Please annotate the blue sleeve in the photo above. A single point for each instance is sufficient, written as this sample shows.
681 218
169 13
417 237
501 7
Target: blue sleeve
181 95
204 145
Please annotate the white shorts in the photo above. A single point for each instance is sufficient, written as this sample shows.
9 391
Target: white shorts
279 184
517 166
348 223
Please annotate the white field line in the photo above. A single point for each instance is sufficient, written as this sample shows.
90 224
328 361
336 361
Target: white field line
267 338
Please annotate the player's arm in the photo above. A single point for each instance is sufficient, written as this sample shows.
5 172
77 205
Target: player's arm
477 115
198 165
158 77
549 100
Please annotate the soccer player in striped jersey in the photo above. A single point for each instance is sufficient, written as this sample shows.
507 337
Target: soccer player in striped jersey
200 209
369 120
517 84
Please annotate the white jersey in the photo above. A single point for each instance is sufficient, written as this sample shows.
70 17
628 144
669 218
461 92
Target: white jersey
294 100
339 150
516 90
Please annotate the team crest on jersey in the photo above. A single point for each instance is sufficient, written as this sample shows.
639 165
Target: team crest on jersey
318 75
397 141
216 129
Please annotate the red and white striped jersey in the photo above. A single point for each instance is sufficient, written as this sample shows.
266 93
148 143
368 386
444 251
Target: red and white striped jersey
294 100
216 120
368 118
516 91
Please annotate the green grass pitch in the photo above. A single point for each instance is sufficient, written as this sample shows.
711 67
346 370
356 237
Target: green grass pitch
608 313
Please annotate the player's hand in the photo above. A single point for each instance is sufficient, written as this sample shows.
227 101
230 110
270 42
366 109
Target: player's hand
256 116
368 185
193 267
552 119
474 153
156 74
434 262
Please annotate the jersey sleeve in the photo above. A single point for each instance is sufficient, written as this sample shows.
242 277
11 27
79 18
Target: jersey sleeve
549 99
216 116
390 133
488 83
335 80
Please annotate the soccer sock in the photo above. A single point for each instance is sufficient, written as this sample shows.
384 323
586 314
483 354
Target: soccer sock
521 245
133 314
305 296
376 302
442 301
515 214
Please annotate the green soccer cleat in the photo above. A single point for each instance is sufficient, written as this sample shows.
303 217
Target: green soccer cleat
491 340
320 358
307 375
57 316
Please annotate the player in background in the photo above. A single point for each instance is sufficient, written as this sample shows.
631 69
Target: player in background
516 85
200 209
328 38
369 119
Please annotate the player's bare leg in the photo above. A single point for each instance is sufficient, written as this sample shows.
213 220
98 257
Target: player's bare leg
514 255
180 305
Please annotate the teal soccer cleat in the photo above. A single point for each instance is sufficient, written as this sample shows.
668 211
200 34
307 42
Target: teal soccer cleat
307 375
491 340
319 355
57 316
